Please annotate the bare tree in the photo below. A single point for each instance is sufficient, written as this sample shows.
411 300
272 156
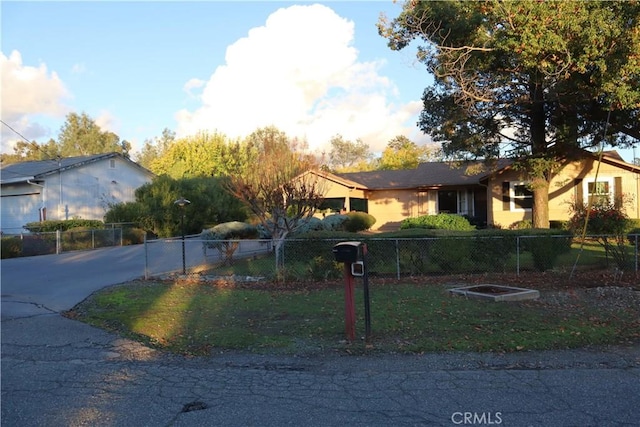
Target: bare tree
280 190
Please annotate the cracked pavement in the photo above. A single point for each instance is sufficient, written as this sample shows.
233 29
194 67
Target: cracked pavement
60 372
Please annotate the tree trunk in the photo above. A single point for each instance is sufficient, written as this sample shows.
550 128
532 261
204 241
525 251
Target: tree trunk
540 210
539 177
278 252
278 240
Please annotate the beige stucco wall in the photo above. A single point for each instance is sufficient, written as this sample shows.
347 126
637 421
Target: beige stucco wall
387 207
562 191
391 207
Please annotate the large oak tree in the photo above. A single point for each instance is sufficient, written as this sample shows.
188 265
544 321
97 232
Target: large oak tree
539 81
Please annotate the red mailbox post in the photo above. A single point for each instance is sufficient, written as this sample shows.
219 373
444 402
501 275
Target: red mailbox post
353 255
349 304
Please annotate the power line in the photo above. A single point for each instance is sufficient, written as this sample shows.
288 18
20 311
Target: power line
14 131
35 144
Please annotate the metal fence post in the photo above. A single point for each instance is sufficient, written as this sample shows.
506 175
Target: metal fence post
146 258
637 254
398 259
517 255
58 243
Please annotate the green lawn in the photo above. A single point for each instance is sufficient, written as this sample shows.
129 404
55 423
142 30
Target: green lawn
198 318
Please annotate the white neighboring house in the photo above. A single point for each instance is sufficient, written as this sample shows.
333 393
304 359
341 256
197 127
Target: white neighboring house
73 187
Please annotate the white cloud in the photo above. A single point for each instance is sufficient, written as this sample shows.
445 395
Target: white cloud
107 122
193 84
300 72
28 91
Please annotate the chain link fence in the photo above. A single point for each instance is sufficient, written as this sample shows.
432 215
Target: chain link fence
215 257
305 259
56 242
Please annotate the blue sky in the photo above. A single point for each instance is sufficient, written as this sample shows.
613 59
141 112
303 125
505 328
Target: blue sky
313 69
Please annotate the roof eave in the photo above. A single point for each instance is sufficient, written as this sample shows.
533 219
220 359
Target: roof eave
17 180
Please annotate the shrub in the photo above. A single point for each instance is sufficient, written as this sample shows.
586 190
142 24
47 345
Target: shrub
133 236
11 247
333 222
329 235
544 252
79 238
492 251
223 237
451 254
609 223
559 225
125 212
306 248
63 225
309 224
545 246
525 224
38 244
604 218
358 221
323 267
440 221
634 225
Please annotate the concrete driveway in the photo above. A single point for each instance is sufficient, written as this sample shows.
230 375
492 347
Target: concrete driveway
59 372
53 283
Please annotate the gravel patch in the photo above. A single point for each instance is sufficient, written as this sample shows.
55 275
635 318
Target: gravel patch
603 297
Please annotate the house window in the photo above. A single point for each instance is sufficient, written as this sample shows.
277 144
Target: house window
335 204
457 202
521 197
112 163
447 201
600 191
360 205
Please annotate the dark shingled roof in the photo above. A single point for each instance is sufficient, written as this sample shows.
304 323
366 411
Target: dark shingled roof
433 174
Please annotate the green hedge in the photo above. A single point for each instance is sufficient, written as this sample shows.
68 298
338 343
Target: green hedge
545 245
358 221
80 238
132 236
63 225
439 221
11 247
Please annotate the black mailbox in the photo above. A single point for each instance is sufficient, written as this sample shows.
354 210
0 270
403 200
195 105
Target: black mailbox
348 252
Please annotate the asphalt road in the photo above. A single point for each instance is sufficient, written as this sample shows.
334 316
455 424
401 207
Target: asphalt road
59 372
